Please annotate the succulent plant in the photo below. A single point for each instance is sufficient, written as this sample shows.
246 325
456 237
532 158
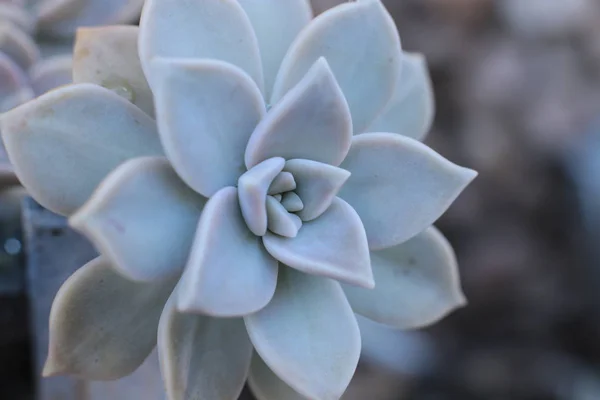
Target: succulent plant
252 177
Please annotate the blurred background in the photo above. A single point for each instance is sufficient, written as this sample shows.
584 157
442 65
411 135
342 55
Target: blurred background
517 86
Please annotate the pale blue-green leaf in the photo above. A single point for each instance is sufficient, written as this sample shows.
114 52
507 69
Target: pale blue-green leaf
333 245
292 202
276 24
265 385
316 184
411 110
399 186
199 29
416 283
17 45
281 222
65 142
308 335
360 42
103 326
108 57
15 13
229 272
206 112
252 191
202 357
312 121
142 218
284 182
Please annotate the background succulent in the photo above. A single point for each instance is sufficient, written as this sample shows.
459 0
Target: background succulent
232 120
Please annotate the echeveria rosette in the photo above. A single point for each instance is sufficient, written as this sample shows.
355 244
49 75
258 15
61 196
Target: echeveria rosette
255 194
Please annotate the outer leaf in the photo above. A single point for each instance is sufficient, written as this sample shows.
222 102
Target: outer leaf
308 335
417 283
265 385
199 29
399 186
411 110
202 357
65 142
142 218
333 245
103 326
206 113
14 13
317 185
276 24
229 273
252 191
108 57
312 121
360 42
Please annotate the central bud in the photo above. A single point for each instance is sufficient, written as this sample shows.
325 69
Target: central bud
268 199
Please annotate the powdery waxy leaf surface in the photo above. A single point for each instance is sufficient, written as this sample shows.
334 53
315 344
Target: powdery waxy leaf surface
206 112
399 186
333 245
266 385
308 335
103 326
202 357
360 42
108 57
142 218
276 24
229 272
196 29
311 122
63 144
416 283
411 110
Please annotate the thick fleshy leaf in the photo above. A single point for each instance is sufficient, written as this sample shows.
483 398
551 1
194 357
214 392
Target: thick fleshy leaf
292 202
206 112
202 357
103 326
284 182
265 385
252 191
316 185
229 272
51 73
312 122
399 186
199 29
18 45
411 110
64 17
108 57
65 142
281 222
334 245
308 335
142 218
276 24
361 44
417 283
